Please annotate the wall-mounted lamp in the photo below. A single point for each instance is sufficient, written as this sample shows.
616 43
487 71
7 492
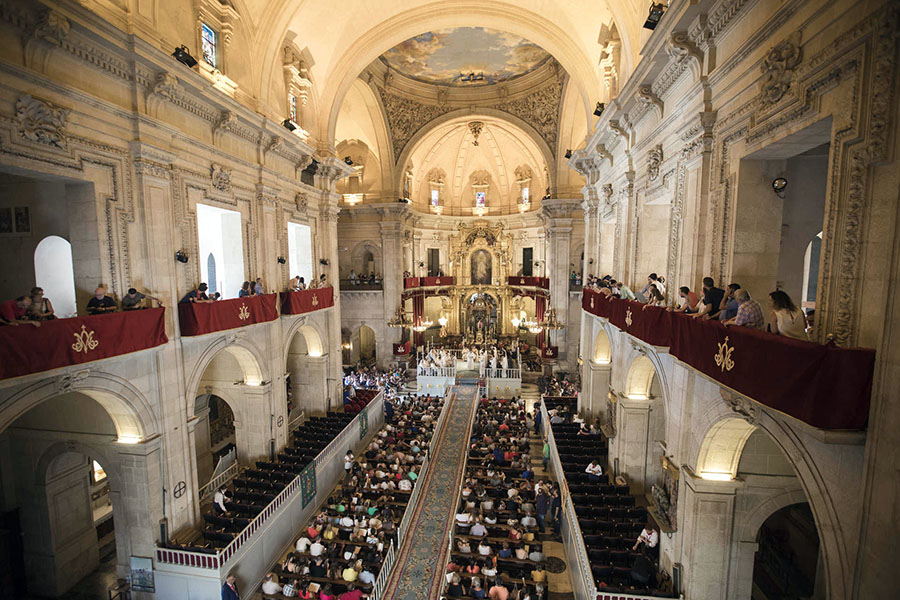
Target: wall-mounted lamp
181 256
568 153
289 125
779 185
281 260
656 12
323 262
183 56
599 109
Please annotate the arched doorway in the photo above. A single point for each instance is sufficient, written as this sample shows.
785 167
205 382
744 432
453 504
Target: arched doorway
306 369
65 497
363 347
214 436
55 273
640 425
787 560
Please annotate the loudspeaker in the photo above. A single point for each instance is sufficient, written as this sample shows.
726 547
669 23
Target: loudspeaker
676 578
163 531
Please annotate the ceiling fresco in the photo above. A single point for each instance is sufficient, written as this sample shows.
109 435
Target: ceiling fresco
465 56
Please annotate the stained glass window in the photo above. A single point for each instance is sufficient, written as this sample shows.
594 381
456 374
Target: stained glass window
526 195
293 102
435 197
479 199
209 41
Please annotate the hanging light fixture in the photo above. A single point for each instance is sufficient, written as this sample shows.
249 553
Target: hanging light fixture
516 321
443 321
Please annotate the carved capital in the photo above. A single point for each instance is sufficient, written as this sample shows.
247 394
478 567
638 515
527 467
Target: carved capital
743 407
51 27
221 177
778 69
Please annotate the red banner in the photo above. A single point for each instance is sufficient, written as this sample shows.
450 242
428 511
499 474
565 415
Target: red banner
304 301
402 349
541 282
825 386
550 352
58 343
432 281
199 318
410 282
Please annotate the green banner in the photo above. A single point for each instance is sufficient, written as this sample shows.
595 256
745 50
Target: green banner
363 422
308 484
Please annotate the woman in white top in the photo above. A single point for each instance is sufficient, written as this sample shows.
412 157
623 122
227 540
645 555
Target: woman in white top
789 320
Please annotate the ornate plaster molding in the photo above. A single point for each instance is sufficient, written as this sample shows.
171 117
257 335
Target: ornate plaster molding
41 122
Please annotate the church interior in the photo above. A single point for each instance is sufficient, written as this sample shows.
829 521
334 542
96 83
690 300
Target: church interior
417 299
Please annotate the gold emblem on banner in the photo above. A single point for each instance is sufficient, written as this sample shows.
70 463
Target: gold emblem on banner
628 320
723 357
84 341
592 302
315 300
244 313
522 282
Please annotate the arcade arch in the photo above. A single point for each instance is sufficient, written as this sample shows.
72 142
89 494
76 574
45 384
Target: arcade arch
305 368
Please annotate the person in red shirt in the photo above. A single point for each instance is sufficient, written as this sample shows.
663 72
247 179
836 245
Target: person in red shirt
12 312
352 593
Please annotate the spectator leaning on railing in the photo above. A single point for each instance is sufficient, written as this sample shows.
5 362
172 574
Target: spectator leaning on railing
712 298
749 314
101 303
13 312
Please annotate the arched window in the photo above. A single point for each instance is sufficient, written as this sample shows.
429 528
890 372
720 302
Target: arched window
211 270
55 273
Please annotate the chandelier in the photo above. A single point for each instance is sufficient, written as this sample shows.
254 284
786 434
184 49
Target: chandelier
550 321
400 319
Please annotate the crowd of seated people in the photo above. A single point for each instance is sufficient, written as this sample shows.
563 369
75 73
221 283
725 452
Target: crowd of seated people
558 385
503 509
732 305
339 554
35 307
620 538
364 383
236 504
363 279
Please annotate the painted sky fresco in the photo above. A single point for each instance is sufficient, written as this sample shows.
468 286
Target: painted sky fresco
465 56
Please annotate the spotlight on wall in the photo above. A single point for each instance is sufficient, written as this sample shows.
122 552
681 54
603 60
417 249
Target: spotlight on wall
779 185
656 12
181 256
590 261
568 153
599 109
281 260
289 125
323 262
183 56
348 160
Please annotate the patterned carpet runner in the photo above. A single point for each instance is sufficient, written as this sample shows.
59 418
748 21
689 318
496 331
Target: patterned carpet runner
422 558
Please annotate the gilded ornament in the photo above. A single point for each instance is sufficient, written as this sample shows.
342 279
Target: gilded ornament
84 341
723 357
244 313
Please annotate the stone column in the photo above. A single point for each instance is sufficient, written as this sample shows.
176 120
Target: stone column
199 429
591 232
312 392
328 214
595 389
392 248
253 423
632 441
706 519
557 215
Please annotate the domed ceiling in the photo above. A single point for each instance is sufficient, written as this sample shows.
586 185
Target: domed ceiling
465 56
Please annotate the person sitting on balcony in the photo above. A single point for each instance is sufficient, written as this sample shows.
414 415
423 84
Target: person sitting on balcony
270 585
13 312
294 284
352 277
689 304
101 303
749 314
301 284
245 290
594 471
789 320
624 291
729 306
656 297
653 279
258 288
40 309
712 299
219 500
197 295
132 300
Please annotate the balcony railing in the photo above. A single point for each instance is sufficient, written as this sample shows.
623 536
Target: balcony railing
200 318
304 301
26 349
822 385
539 282
361 285
415 282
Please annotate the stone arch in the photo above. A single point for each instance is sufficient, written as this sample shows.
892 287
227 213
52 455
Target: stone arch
128 408
306 365
312 338
639 380
547 153
242 351
748 529
832 540
721 449
358 256
601 352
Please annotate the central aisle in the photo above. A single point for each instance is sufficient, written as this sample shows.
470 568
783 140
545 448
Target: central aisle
422 558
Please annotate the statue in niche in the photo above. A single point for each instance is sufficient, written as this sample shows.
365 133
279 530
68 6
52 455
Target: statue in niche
481 268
